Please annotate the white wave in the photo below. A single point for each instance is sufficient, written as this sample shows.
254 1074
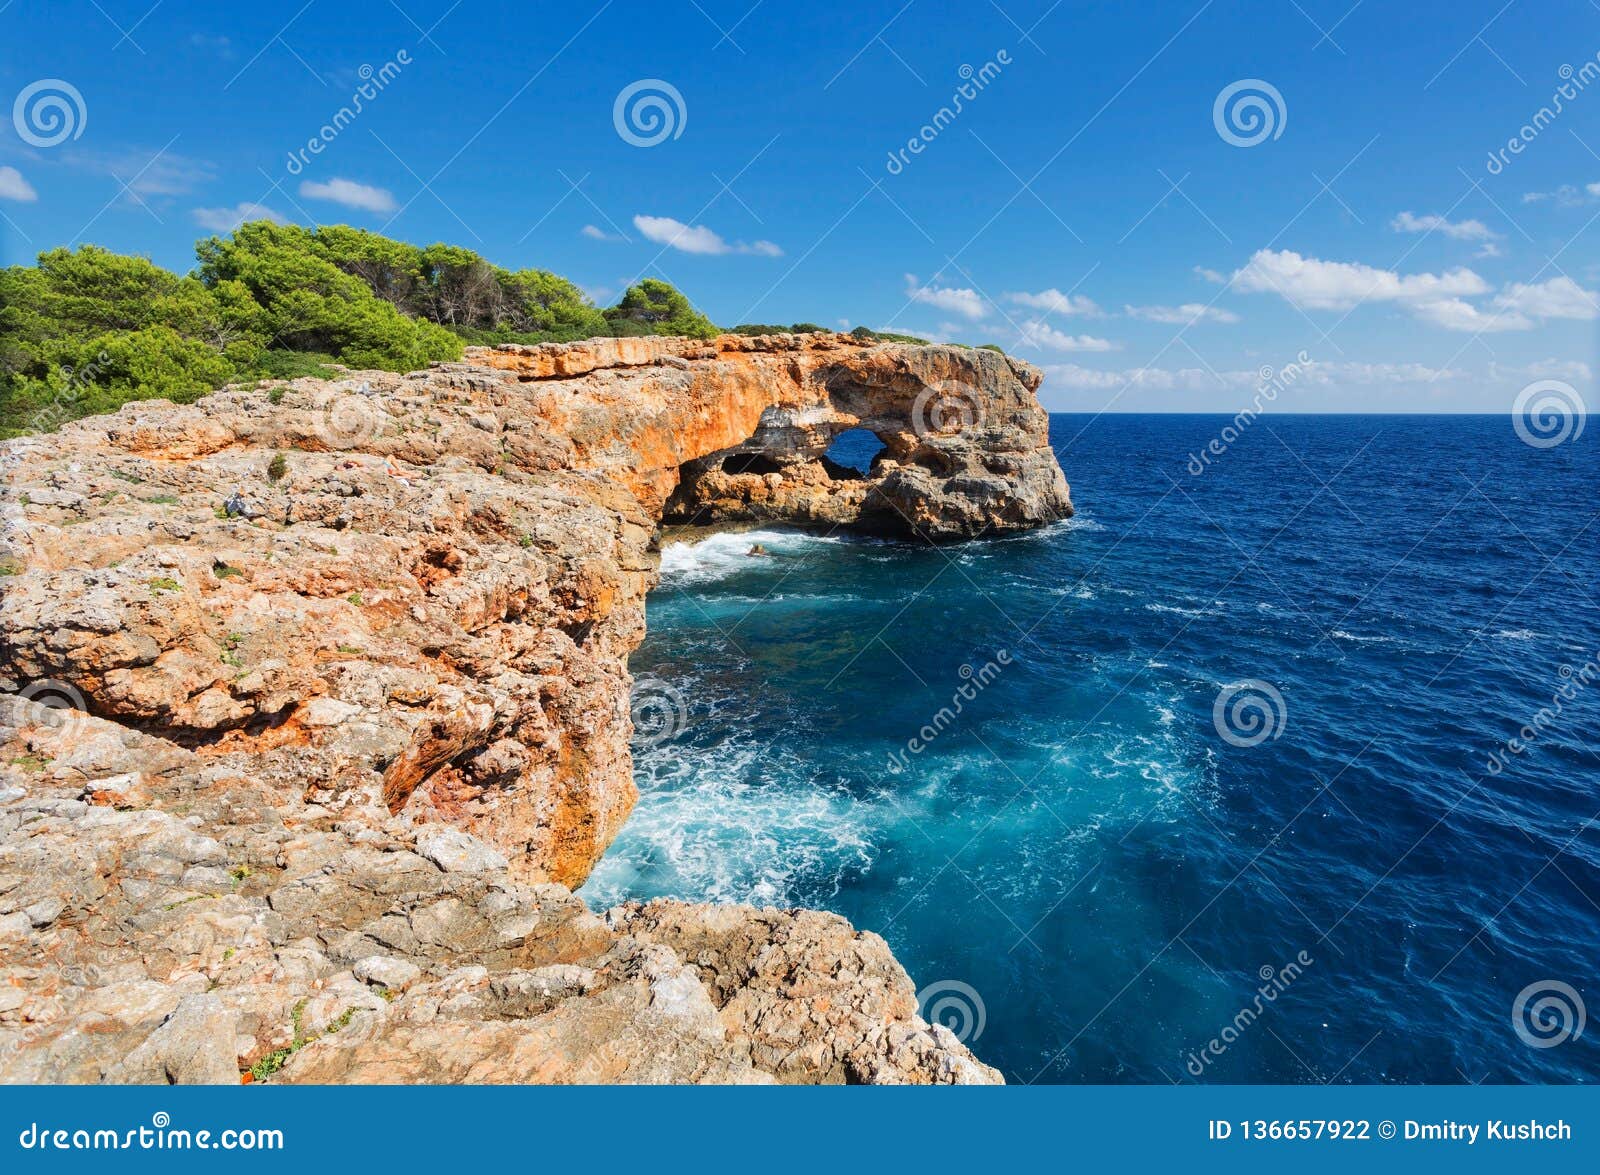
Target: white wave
727 553
1341 634
1516 634
734 824
1179 611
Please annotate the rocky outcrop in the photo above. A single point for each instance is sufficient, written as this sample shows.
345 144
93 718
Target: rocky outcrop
209 926
389 617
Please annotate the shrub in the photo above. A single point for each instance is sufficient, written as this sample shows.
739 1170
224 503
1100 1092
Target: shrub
662 310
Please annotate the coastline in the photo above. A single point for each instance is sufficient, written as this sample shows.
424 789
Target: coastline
363 720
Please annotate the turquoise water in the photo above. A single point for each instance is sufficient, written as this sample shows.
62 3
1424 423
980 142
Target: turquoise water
1089 881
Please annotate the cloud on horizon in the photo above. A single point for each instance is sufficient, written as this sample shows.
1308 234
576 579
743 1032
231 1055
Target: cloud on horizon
364 197
956 300
1053 301
696 238
1042 334
225 220
1185 315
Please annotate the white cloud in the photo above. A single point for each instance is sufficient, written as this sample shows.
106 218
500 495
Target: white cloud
1199 379
1040 334
1187 314
350 194
1210 275
1518 306
1053 301
1459 230
225 220
1567 369
696 238
1338 285
1560 297
14 187
1566 196
1455 314
967 303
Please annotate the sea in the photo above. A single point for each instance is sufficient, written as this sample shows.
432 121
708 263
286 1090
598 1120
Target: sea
1278 762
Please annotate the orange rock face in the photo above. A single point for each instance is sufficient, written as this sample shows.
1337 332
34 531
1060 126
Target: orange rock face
430 601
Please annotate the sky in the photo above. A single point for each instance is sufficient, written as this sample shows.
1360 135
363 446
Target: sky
1167 206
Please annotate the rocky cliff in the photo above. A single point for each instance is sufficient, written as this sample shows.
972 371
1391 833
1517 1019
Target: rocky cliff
321 704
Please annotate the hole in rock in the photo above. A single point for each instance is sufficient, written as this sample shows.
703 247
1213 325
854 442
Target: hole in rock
750 463
852 454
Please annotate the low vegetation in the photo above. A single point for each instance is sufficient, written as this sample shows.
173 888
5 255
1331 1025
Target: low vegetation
86 330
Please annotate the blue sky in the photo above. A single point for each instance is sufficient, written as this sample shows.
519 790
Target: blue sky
1084 207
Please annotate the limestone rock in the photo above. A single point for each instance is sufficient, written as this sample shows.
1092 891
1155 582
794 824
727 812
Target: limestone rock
260 731
261 933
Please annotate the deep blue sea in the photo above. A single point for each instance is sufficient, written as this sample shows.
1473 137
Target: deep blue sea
1088 880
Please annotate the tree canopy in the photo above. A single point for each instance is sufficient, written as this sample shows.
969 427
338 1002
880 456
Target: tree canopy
86 330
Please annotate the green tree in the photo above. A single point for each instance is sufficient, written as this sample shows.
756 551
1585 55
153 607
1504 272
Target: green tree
661 310
307 303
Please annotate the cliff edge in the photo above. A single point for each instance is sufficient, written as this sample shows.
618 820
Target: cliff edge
320 706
